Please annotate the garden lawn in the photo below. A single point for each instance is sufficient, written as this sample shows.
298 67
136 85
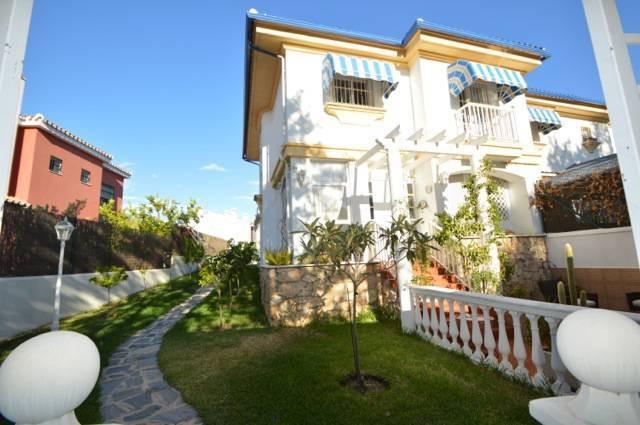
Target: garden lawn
254 374
111 325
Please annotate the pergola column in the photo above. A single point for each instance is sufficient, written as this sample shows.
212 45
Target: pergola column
398 197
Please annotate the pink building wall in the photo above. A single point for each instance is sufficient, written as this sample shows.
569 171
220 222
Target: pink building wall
31 180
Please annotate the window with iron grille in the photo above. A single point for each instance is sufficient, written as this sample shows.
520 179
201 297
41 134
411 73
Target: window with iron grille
355 91
85 176
107 193
55 165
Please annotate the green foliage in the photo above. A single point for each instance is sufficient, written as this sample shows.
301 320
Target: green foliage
227 267
562 293
575 298
280 257
164 218
108 277
469 238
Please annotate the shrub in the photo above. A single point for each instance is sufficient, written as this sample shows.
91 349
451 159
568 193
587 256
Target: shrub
108 277
280 257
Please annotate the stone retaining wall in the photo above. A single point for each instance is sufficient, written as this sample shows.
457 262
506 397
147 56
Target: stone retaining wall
528 257
295 295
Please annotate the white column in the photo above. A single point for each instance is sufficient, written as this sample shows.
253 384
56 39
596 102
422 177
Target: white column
398 197
15 16
622 94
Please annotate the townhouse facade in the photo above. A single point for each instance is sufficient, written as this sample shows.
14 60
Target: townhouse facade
350 127
53 167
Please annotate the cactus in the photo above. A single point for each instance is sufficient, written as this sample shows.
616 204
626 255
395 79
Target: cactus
571 275
574 297
583 298
562 293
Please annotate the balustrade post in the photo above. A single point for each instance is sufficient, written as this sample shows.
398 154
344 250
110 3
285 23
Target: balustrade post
560 385
537 356
453 327
415 305
504 347
476 336
425 318
489 340
519 351
434 321
444 329
464 330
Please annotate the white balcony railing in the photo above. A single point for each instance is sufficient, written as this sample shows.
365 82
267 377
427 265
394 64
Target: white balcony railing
478 121
501 332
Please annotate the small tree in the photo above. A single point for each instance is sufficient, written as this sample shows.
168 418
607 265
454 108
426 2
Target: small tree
108 277
209 277
344 251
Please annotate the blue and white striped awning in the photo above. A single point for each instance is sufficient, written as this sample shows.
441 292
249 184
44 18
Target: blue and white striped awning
463 73
547 119
350 66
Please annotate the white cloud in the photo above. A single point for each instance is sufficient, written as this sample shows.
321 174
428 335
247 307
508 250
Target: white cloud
229 224
126 165
254 182
213 167
243 197
154 176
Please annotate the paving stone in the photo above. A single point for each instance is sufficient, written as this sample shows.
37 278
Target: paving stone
133 390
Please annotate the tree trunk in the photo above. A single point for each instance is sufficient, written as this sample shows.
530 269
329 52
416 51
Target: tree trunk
220 307
354 339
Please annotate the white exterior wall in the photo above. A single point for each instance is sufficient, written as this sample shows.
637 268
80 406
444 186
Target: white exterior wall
564 146
597 248
271 140
27 302
421 100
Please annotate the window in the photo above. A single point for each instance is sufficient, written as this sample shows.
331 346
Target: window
55 165
355 91
478 92
329 190
371 207
587 133
502 199
107 193
411 201
535 131
85 176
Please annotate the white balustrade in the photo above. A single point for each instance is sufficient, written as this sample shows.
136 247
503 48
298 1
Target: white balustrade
478 120
446 328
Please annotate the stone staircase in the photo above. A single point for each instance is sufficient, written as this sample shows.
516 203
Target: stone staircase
435 274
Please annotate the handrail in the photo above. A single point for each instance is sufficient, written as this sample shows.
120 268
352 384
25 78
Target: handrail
443 316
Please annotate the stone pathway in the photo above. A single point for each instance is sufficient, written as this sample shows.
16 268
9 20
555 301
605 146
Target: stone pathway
133 390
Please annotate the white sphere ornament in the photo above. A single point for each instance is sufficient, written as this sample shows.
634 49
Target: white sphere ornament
601 348
46 377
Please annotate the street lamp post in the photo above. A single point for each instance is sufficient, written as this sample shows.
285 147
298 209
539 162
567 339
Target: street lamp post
63 231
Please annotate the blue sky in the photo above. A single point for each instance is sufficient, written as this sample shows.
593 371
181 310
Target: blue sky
159 83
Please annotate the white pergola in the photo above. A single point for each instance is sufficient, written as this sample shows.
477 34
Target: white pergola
622 94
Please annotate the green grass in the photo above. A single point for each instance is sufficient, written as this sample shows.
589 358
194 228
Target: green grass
111 325
254 374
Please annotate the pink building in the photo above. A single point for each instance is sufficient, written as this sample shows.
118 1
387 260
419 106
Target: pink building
54 167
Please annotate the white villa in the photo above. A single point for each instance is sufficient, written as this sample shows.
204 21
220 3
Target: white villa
344 124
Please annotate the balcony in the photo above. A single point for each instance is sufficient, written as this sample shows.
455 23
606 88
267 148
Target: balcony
485 123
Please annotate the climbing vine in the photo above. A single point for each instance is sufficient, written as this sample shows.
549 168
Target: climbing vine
594 201
468 237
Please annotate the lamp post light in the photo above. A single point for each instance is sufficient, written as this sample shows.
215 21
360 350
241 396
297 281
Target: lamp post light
63 231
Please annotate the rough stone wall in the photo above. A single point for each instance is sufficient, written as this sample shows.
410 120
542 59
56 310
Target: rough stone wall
296 295
528 257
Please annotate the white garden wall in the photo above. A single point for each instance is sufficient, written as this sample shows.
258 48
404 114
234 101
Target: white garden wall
598 248
27 302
